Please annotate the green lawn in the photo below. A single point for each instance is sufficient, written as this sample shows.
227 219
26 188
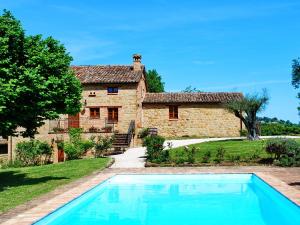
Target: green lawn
18 185
235 150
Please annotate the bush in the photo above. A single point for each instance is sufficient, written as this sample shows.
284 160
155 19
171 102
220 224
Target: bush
143 133
220 154
11 164
76 146
33 152
243 133
191 154
279 146
155 149
87 144
206 157
234 158
285 151
103 144
72 151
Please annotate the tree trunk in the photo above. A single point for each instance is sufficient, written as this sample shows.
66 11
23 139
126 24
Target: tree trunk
252 134
252 130
250 126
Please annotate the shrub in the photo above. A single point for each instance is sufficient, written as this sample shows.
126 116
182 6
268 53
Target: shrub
143 133
220 154
60 145
206 157
33 152
12 164
255 155
234 158
191 152
73 151
76 146
102 144
75 134
87 144
243 133
154 148
285 151
278 146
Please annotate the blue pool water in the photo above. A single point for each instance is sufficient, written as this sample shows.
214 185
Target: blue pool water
208 199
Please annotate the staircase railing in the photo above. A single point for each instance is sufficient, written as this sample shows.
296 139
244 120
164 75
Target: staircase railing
131 131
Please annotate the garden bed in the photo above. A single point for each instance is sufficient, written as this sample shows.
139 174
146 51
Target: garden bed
217 153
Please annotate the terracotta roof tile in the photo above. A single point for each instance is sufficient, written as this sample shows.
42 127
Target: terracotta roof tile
107 74
202 97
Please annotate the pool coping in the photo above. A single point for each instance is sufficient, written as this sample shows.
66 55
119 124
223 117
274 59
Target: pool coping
47 207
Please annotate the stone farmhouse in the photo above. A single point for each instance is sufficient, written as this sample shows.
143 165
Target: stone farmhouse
115 100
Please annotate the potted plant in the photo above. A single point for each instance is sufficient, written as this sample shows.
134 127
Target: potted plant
107 129
93 129
58 130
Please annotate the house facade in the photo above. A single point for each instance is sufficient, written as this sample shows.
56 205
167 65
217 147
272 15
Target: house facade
115 99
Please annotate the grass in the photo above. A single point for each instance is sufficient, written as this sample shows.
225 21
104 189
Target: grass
19 185
235 150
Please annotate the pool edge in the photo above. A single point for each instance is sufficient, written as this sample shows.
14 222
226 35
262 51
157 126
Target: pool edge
35 214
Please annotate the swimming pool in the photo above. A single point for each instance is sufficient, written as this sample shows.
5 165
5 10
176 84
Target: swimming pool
210 199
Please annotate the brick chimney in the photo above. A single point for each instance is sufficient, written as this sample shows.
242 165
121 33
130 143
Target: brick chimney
137 64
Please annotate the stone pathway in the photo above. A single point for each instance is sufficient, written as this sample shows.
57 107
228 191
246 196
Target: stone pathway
132 158
135 157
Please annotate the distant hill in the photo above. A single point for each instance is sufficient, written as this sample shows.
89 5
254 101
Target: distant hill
275 120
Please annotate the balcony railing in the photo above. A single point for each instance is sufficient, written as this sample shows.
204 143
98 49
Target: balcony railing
89 125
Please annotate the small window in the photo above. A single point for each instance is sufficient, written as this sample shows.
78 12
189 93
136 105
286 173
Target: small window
113 114
112 90
94 113
92 94
3 149
173 112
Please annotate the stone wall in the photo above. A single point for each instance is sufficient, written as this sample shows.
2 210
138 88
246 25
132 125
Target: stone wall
125 100
128 100
203 120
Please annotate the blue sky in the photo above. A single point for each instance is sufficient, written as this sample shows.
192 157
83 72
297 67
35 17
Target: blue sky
224 45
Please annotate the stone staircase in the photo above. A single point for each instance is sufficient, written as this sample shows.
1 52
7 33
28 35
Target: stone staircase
122 141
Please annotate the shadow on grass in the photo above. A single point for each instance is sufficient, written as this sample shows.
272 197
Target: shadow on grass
15 178
266 161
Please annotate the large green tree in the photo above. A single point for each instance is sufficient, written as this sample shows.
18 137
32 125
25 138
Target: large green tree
154 82
36 82
296 75
247 108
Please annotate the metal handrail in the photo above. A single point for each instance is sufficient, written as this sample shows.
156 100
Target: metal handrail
131 130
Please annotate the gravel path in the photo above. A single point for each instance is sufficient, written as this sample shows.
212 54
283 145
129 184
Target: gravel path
135 157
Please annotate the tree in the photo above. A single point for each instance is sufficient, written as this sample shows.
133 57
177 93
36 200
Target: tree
296 75
190 89
154 82
36 82
246 109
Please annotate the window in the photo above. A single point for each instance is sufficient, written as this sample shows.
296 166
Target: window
173 112
92 94
113 114
4 149
94 113
112 90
